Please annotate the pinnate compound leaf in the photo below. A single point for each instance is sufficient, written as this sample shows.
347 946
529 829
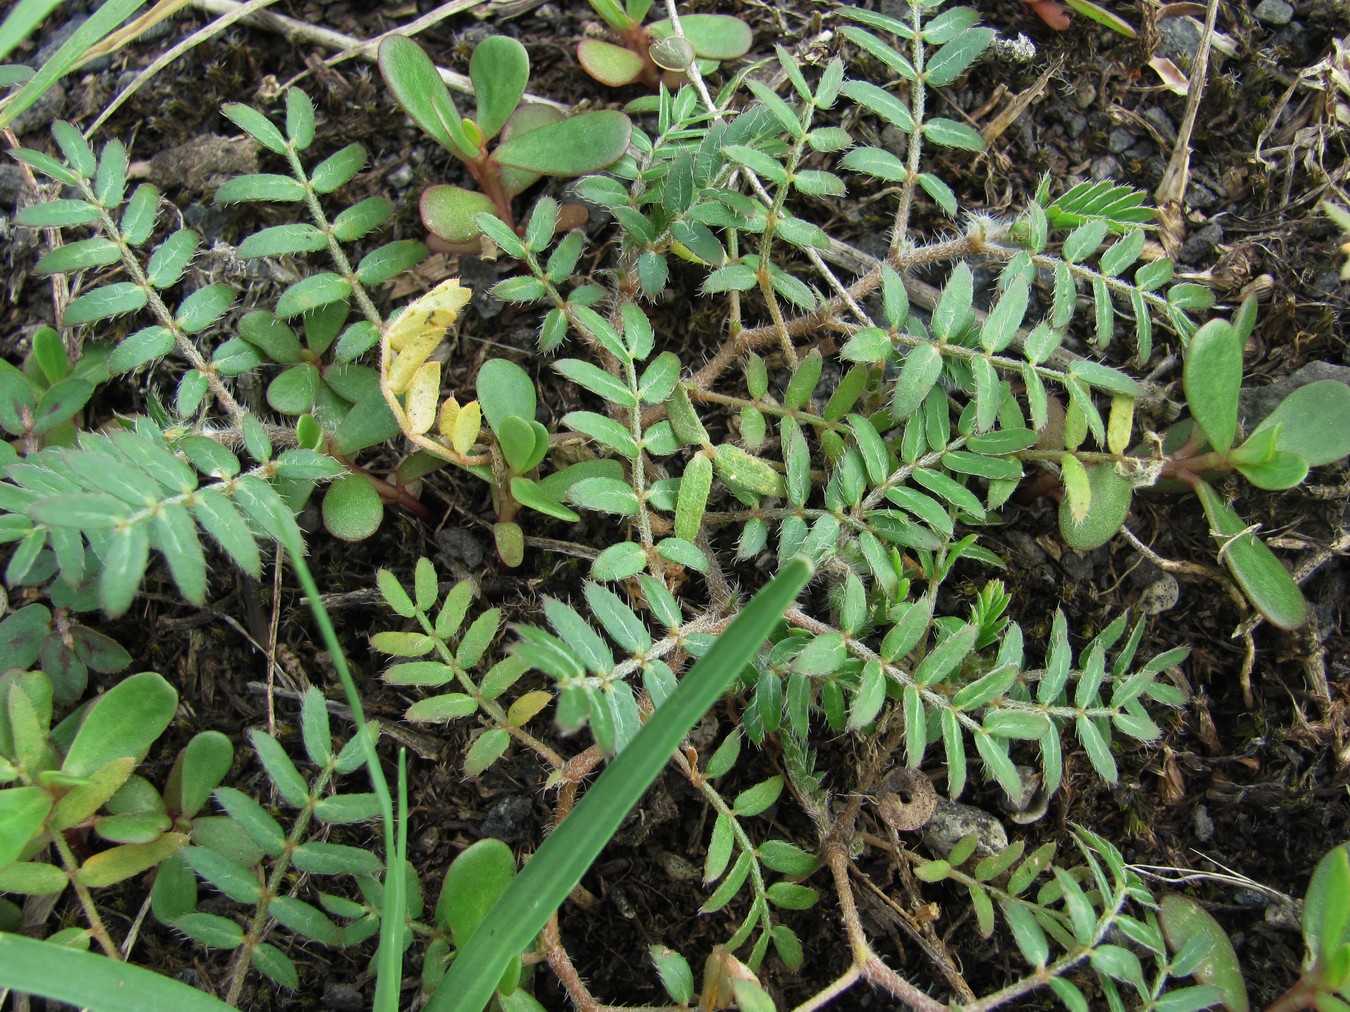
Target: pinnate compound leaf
923 366
116 299
275 965
565 854
256 125
338 168
487 748
951 134
280 769
619 561
211 930
676 976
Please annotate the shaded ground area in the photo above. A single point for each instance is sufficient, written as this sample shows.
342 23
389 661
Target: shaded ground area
1249 777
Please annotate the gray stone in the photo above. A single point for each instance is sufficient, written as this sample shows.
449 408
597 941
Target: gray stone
459 545
1204 825
895 140
1273 12
1162 122
342 997
509 819
1028 552
11 185
1200 243
1200 197
1326 282
1120 140
1178 40
38 117
1078 566
1106 167
480 275
400 177
952 821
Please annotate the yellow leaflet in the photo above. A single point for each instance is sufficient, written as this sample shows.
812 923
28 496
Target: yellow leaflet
1077 486
527 706
1075 426
438 308
1120 424
445 424
423 393
421 328
467 426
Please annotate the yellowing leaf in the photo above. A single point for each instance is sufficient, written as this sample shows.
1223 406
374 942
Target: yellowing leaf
1077 488
1120 424
408 361
421 328
467 426
445 424
437 308
527 706
423 392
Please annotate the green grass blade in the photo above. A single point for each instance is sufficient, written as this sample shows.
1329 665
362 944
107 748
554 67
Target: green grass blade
389 959
100 23
559 863
88 980
21 21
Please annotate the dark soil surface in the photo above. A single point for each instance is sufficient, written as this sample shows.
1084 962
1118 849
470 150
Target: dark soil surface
1250 778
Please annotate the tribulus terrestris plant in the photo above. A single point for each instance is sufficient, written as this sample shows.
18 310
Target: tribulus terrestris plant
845 451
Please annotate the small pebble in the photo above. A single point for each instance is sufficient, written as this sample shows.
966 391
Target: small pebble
1273 12
1078 567
508 819
952 821
458 545
342 997
1204 825
11 185
1200 244
1161 595
401 177
1119 140
1106 167
1200 197
1178 40
1162 122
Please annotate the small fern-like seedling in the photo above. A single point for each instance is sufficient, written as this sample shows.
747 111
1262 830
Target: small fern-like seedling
247 855
336 401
